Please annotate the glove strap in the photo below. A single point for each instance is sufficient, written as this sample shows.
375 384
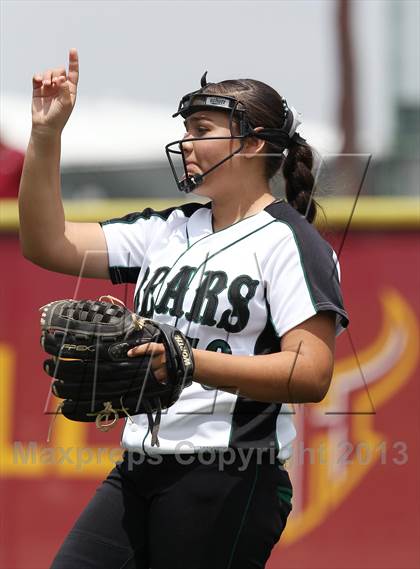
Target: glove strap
154 423
180 364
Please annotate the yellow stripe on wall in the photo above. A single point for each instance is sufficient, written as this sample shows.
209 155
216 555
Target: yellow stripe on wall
372 212
369 213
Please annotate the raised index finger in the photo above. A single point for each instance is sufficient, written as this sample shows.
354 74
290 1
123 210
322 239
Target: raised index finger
73 74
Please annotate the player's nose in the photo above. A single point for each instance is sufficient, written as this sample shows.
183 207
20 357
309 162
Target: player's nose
187 145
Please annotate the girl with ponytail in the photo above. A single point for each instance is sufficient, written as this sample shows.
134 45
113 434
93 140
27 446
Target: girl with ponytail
253 287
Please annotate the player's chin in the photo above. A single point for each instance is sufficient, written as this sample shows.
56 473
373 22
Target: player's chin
205 190
210 186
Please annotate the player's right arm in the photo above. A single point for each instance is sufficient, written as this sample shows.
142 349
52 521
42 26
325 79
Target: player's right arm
47 239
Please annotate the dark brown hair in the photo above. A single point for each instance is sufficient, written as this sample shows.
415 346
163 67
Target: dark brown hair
264 108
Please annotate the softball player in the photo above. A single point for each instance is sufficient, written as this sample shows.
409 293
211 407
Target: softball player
241 275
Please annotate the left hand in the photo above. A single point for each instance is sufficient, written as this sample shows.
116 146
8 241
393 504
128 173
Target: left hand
158 358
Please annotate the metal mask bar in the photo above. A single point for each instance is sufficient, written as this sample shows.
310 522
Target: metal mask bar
191 182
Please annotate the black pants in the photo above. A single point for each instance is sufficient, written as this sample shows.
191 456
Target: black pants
169 515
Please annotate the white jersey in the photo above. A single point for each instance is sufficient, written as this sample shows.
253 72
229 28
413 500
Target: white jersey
235 291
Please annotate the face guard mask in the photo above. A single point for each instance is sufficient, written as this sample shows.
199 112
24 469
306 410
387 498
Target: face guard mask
200 101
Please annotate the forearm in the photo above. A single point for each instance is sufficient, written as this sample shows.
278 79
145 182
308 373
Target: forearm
41 211
283 377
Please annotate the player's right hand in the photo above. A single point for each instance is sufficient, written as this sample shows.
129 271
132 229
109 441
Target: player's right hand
54 95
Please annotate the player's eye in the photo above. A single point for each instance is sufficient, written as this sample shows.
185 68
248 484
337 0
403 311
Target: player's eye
197 130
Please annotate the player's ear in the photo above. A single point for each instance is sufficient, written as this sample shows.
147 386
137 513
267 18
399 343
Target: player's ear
254 146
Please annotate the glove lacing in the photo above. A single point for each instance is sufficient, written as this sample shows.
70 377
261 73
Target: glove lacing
154 423
101 417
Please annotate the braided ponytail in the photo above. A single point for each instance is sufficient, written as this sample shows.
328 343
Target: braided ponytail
297 172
